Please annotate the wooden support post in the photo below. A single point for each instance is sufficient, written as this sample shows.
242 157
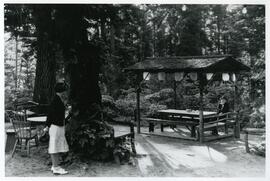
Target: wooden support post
193 131
201 131
151 127
16 63
237 123
161 127
226 128
234 97
246 142
138 111
132 138
237 127
175 96
138 114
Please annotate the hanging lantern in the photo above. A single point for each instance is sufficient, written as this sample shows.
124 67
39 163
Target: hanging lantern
161 76
209 76
178 76
193 76
244 10
225 77
184 7
146 76
233 77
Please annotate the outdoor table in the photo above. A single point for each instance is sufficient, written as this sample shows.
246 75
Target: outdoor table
192 113
187 117
27 112
38 119
38 122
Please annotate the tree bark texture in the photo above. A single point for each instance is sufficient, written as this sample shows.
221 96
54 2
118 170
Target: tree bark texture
82 60
46 63
84 89
45 73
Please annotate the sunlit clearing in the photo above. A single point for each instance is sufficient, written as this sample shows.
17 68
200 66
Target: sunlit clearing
209 152
189 156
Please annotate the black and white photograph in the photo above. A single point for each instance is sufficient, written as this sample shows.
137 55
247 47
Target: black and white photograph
163 90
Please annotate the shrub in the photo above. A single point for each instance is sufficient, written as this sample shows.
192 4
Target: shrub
107 100
166 93
91 137
125 106
152 110
108 105
13 97
155 97
257 117
149 104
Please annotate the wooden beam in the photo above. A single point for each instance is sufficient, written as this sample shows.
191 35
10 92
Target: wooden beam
16 63
246 143
201 87
237 126
170 136
254 131
138 113
218 137
175 96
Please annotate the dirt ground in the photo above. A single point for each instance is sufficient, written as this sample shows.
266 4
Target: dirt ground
156 157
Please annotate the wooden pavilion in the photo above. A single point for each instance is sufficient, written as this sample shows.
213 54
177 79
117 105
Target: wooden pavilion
201 68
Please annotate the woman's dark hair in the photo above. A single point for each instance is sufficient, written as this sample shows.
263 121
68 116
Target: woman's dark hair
60 87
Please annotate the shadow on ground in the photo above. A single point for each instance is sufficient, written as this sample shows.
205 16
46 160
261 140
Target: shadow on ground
173 157
157 156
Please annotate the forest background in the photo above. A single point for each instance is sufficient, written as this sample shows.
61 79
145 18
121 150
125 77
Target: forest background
95 43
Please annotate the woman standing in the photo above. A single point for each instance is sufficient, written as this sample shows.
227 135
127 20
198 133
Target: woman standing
56 126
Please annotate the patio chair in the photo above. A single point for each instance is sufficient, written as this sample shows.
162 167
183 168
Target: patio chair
19 116
10 133
24 135
9 116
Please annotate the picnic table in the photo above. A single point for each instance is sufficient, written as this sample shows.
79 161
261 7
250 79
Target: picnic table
188 118
191 120
186 113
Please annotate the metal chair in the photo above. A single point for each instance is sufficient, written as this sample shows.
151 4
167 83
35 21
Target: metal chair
24 135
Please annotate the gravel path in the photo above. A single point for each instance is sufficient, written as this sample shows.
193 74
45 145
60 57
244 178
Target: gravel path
172 157
157 157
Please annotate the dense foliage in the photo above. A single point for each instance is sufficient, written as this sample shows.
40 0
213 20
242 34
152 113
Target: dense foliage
93 140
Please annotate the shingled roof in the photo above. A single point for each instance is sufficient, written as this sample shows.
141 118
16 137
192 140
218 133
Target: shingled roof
217 63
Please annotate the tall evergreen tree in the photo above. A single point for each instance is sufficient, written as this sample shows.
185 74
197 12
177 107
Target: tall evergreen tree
192 38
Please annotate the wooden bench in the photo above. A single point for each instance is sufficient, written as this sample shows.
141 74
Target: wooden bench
163 122
214 122
252 131
121 135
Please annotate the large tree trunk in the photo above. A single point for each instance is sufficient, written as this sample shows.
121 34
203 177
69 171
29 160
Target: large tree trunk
87 133
46 63
45 73
83 75
82 59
